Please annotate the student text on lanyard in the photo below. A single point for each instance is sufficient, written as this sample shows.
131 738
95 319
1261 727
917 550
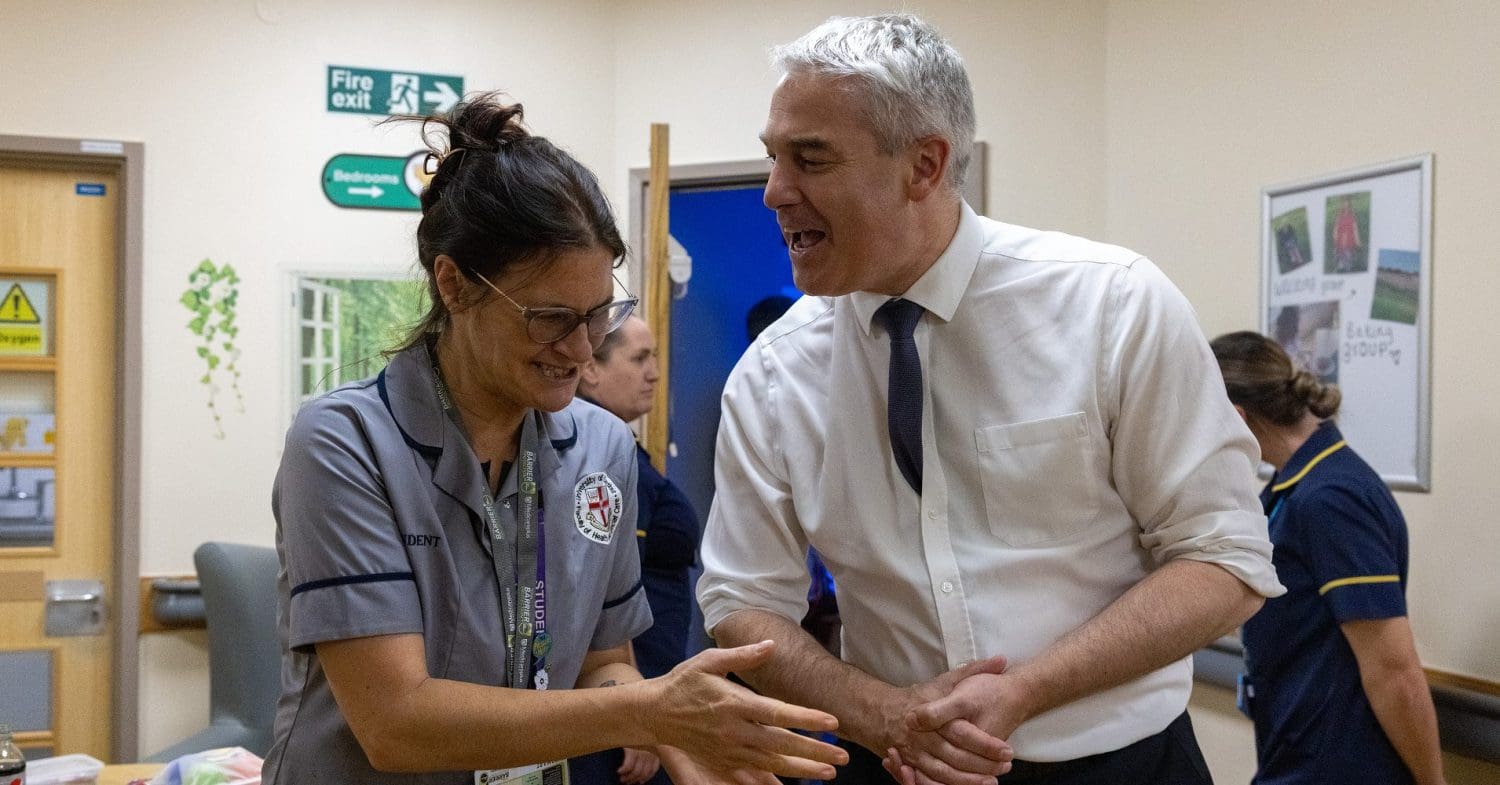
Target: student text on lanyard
523 605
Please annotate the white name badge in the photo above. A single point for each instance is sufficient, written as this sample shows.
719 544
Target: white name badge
555 773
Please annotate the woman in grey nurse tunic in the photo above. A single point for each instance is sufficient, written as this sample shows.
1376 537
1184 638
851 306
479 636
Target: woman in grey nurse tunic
457 582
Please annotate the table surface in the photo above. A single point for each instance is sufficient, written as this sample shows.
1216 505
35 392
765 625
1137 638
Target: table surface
121 773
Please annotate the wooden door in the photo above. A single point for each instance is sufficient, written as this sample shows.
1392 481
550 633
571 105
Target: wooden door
58 348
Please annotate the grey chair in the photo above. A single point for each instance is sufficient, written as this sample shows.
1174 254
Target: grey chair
244 653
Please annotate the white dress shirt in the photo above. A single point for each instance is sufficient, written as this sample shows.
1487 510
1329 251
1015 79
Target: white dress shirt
1075 436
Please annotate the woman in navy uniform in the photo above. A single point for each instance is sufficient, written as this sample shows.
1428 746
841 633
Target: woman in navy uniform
622 378
1334 685
459 573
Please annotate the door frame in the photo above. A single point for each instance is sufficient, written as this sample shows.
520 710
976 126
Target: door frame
127 160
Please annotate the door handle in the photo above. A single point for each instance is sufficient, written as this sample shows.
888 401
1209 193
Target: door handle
74 607
84 597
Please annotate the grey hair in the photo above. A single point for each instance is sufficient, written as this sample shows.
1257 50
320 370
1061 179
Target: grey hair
915 84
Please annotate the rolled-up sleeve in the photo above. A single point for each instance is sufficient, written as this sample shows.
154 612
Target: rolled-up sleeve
1183 461
753 548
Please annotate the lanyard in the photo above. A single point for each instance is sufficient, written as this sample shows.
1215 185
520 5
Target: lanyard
1275 508
523 606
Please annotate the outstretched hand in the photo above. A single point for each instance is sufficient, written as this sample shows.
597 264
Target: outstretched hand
726 728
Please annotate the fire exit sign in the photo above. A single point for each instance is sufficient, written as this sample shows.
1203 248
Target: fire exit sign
373 91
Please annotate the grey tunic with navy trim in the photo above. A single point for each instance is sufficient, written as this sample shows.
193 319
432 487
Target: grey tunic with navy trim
379 512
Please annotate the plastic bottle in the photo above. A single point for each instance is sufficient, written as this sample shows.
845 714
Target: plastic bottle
12 762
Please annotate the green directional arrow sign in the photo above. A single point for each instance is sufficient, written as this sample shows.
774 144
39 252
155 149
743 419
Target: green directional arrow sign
373 91
375 182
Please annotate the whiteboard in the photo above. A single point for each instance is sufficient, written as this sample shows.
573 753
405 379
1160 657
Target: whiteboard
1346 274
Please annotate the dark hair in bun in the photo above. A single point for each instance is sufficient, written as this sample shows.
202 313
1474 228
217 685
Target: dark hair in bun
1259 376
501 198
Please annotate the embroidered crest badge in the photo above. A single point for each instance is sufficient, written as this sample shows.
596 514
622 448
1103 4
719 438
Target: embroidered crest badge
596 507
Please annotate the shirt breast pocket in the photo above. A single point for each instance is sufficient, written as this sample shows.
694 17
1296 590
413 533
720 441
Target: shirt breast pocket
1038 484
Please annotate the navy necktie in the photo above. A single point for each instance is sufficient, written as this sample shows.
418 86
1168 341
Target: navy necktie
904 389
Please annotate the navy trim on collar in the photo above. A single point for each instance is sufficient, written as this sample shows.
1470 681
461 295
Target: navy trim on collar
427 450
567 442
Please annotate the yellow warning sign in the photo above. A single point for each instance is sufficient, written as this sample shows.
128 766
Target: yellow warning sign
20 323
16 308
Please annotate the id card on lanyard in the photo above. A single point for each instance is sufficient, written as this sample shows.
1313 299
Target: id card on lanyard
516 558
555 773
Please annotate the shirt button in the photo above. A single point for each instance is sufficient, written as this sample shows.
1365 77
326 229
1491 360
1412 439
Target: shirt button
507 504
932 514
947 587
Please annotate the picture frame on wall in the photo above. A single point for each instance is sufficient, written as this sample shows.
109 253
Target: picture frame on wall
341 324
1346 289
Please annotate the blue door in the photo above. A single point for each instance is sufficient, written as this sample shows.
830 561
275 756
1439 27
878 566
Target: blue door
739 260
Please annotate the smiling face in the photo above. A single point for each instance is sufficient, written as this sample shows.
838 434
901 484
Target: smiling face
843 205
624 382
489 359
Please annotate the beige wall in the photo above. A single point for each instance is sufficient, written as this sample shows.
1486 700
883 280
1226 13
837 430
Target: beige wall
1037 70
228 98
1210 102
1151 124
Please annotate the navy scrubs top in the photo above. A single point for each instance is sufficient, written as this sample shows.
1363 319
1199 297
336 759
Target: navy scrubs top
668 532
1340 549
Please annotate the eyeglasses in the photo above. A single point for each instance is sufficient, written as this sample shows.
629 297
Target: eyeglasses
550 325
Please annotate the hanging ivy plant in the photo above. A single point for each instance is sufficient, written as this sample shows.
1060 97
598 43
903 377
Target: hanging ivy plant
211 295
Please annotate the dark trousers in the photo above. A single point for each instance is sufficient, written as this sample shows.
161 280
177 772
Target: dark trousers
1171 757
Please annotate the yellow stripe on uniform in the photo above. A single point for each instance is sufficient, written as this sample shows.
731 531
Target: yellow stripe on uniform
1331 585
1279 487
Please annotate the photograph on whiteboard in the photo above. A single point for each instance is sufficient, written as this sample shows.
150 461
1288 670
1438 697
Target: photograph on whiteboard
1293 240
1398 283
1310 335
1347 228
1355 309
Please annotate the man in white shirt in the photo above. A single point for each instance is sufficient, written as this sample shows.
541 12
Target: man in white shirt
1007 444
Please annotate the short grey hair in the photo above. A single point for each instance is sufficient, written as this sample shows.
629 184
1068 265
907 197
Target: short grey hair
915 84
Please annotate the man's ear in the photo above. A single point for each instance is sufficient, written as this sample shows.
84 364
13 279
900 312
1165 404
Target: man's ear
588 374
930 157
451 285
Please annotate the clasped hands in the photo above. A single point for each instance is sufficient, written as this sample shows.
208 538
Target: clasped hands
950 730
953 729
